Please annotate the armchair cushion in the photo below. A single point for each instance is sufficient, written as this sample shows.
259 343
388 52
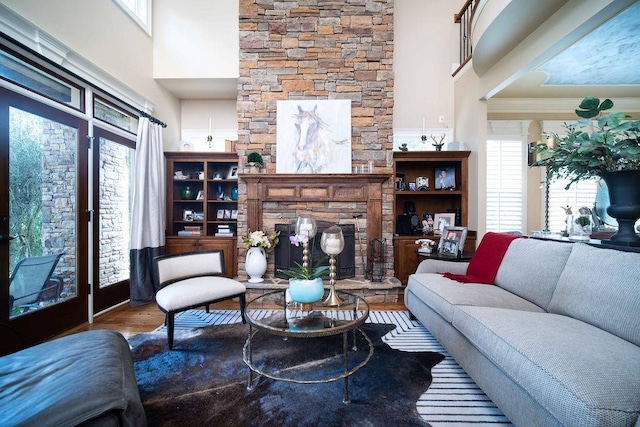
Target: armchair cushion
196 290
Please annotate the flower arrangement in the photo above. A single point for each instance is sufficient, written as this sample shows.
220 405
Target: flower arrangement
261 239
300 272
595 144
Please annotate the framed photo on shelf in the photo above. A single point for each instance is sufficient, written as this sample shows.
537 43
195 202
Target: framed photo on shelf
233 172
412 186
227 214
220 214
200 195
198 216
400 181
452 240
445 178
442 220
187 215
234 214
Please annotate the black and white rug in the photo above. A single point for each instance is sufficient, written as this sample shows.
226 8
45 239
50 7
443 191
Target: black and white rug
452 399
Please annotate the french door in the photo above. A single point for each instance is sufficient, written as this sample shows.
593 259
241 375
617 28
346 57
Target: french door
43 221
113 166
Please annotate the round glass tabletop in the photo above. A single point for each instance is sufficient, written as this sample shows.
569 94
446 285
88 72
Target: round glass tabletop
321 320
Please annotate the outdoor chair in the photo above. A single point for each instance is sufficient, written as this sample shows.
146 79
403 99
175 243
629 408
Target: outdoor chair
31 282
191 280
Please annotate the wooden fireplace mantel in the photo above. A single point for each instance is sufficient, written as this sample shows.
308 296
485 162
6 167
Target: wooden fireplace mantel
316 188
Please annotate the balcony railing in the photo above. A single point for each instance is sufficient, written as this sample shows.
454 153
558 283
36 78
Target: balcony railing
464 18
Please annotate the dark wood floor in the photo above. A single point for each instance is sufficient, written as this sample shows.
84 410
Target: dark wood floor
130 321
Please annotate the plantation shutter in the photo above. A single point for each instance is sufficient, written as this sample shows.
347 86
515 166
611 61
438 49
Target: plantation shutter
505 185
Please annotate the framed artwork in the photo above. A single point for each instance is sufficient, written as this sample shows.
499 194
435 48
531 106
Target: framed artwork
313 136
442 220
452 240
445 178
422 183
233 172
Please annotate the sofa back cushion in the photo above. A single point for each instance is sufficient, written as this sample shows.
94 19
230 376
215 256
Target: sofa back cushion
601 287
531 269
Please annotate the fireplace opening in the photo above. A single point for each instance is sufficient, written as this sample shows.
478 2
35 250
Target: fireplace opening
286 254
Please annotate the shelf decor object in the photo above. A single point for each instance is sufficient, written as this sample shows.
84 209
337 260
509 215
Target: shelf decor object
332 244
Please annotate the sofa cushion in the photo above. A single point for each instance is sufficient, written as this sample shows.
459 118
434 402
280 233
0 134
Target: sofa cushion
601 287
72 380
442 294
531 269
582 375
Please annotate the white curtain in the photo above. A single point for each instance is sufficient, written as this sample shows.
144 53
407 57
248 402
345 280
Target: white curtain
148 213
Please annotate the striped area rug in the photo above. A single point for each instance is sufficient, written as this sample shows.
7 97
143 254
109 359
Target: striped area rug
453 399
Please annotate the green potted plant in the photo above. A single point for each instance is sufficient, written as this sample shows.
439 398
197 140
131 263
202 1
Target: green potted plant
605 145
255 161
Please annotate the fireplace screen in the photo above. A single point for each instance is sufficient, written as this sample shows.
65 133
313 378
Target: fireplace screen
286 254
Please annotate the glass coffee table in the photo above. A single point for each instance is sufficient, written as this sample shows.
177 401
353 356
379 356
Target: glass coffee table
320 321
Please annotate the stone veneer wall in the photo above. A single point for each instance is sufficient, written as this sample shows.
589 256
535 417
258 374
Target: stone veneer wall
314 49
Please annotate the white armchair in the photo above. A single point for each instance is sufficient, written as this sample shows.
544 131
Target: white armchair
190 280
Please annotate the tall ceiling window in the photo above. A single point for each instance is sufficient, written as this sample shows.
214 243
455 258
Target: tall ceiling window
139 11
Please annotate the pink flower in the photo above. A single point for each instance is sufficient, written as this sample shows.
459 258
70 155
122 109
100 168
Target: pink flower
299 239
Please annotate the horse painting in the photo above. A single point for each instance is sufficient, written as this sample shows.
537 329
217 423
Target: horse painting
310 145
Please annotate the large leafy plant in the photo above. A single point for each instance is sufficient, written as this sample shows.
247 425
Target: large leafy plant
598 142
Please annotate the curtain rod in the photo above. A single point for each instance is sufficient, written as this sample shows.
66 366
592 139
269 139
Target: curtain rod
151 118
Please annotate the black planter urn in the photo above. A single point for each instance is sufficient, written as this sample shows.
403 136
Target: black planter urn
624 195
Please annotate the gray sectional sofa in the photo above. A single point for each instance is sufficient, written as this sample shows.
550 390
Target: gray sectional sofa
555 341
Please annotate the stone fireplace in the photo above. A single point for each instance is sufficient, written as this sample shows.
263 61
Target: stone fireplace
312 49
345 199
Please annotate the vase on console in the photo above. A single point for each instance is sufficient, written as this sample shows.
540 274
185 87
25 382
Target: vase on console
256 264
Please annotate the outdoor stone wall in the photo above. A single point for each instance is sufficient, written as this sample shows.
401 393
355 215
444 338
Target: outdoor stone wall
59 177
313 49
59 208
116 166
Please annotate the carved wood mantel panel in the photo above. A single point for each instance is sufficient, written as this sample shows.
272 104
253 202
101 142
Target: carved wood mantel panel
316 188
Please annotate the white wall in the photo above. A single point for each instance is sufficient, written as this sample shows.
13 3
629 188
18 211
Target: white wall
103 34
196 39
425 55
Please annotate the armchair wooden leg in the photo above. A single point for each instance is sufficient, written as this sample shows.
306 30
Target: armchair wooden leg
170 323
242 304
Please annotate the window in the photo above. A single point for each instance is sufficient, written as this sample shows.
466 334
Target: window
505 185
580 194
16 70
109 113
139 11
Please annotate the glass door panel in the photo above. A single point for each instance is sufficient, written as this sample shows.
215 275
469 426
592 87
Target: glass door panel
115 167
43 212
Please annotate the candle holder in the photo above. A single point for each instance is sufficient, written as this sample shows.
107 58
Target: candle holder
332 244
306 226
